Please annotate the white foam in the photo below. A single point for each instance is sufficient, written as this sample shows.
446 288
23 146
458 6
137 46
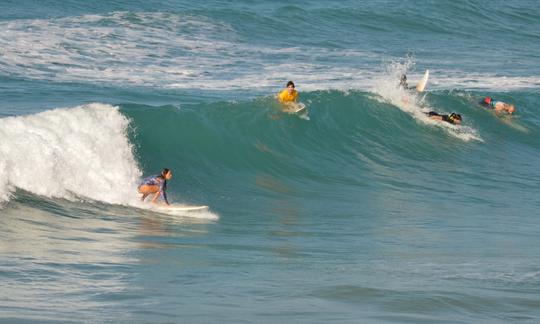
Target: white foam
69 153
195 52
164 50
445 80
413 103
72 153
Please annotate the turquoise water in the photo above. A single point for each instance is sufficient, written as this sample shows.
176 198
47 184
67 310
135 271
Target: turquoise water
362 210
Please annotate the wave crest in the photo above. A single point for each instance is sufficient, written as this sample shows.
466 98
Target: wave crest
80 152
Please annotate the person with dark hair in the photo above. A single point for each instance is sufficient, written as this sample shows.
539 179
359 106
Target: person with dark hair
453 118
289 94
498 106
156 185
403 82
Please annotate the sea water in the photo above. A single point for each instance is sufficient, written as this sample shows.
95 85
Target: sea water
366 211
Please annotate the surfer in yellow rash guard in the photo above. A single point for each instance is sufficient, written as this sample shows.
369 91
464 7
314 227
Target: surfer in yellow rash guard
289 94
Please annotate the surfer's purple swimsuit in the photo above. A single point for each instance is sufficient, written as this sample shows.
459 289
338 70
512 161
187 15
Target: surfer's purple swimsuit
156 180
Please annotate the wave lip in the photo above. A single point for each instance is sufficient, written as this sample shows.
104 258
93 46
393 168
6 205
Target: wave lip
71 153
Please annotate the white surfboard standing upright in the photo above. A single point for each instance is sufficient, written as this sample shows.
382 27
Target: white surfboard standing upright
422 84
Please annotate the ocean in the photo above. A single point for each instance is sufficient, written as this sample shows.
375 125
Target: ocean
362 210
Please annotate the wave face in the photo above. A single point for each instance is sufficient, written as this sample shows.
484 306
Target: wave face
94 151
352 138
68 153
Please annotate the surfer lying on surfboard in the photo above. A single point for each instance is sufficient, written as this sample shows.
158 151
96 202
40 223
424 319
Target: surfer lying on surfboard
498 106
289 94
156 185
453 118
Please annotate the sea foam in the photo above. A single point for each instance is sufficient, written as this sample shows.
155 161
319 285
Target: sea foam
413 103
72 153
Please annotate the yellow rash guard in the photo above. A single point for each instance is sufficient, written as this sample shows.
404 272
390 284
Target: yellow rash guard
284 96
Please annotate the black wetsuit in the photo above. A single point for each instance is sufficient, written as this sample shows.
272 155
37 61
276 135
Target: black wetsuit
444 117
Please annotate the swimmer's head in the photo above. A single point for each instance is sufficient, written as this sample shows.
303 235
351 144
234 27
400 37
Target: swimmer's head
403 80
166 174
455 118
510 109
487 100
290 87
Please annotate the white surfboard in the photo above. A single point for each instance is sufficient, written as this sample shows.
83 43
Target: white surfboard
295 108
182 208
301 108
422 84
179 211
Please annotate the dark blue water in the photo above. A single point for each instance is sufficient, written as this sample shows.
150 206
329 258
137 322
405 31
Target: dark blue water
361 210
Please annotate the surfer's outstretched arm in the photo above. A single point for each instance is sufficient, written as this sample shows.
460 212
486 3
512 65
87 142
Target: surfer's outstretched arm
163 191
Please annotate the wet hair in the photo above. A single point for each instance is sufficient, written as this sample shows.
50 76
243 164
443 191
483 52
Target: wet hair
403 81
456 116
164 172
290 83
